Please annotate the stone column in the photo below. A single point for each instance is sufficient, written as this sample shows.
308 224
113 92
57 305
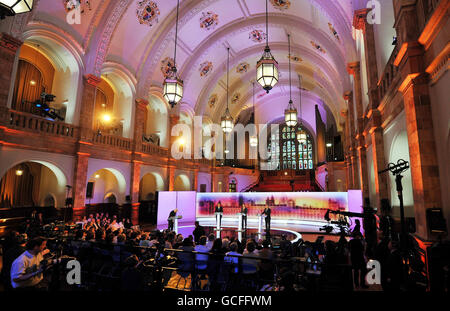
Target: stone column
8 51
79 185
140 118
379 163
213 181
174 118
354 69
171 177
134 190
347 140
422 150
90 83
195 187
348 96
360 22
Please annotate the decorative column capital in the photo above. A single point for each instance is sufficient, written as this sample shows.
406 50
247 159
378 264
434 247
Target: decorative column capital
360 19
353 68
9 43
348 95
92 80
141 103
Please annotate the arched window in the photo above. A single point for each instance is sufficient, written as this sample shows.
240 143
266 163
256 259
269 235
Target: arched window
286 153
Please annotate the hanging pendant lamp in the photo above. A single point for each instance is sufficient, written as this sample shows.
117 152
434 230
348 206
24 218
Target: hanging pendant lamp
267 66
173 86
290 114
227 120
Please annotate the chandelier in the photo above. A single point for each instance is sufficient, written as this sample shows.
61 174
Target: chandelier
267 66
173 86
301 134
227 120
13 7
290 114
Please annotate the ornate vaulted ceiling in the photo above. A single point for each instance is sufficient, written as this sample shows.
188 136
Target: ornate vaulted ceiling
138 36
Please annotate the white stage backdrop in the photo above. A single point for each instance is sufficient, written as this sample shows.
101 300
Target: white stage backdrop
184 200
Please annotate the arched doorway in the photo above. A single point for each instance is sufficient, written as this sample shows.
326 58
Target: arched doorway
32 186
150 184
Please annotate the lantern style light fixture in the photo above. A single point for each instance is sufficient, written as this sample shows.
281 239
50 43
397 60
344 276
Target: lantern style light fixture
173 86
301 133
227 120
254 138
13 7
290 114
19 172
267 66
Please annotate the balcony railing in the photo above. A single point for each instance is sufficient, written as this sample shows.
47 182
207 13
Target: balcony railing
389 73
113 141
154 149
25 121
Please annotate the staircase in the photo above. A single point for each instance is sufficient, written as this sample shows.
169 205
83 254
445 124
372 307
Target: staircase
286 181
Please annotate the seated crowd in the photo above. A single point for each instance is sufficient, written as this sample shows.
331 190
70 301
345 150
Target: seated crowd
107 246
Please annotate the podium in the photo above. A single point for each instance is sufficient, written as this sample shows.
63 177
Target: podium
218 224
240 229
260 225
175 222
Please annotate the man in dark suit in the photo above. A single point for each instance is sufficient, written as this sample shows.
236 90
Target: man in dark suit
170 220
219 209
244 212
267 211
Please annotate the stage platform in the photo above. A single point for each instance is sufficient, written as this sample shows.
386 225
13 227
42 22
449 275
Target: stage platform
294 213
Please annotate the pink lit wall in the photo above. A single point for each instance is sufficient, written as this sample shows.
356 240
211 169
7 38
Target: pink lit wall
169 200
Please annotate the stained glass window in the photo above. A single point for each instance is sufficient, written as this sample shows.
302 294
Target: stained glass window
287 153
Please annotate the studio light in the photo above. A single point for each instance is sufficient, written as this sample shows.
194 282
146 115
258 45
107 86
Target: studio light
106 117
267 67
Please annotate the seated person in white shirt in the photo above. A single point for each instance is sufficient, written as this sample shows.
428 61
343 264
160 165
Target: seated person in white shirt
26 270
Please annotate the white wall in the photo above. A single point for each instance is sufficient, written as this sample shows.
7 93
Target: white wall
440 108
384 34
395 148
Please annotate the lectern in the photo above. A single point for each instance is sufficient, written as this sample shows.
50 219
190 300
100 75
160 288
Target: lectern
218 224
175 222
240 229
260 224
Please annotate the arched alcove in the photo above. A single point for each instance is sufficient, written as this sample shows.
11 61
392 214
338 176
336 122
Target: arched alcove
150 183
400 150
182 183
103 182
32 183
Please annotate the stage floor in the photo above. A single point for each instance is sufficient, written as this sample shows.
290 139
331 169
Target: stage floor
296 228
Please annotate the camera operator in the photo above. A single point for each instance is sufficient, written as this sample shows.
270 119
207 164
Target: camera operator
26 270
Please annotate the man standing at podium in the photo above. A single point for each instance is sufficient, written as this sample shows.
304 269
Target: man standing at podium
171 220
244 212
219 209
267 212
